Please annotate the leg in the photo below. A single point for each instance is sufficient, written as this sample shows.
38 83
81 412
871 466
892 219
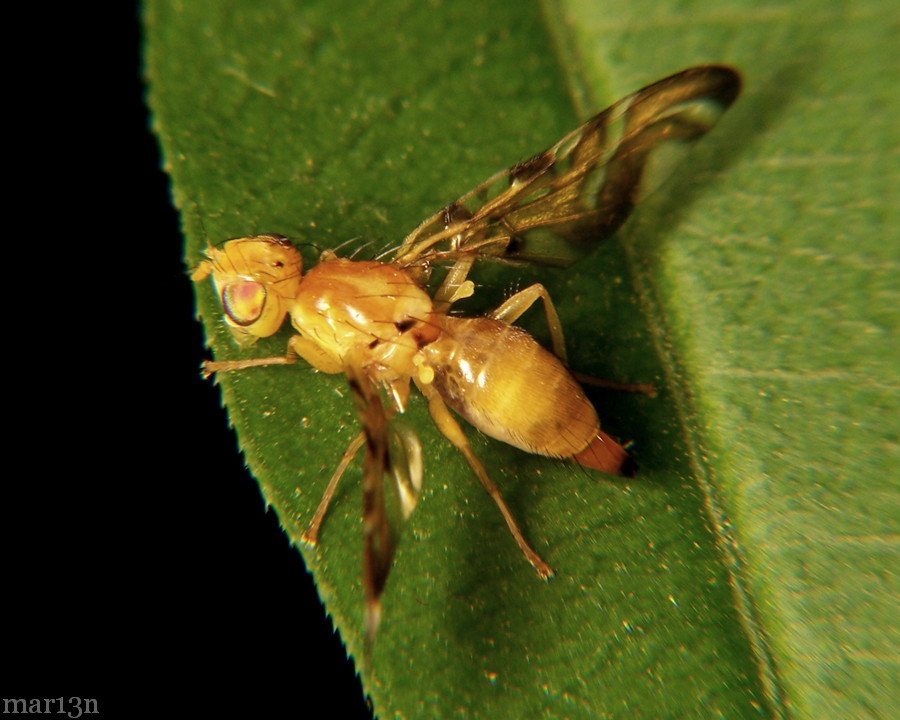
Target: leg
311 536
452 431
208 368
298 347
648 389
512 309
455 286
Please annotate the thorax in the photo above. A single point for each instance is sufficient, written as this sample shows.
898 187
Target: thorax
366 312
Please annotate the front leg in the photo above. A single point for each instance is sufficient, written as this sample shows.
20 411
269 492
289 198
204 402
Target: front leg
298 347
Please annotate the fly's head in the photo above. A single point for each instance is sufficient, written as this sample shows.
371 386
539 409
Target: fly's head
257 279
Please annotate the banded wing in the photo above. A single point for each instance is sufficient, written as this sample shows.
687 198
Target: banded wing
393 452
553 208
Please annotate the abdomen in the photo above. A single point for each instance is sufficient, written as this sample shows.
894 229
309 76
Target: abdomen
502 381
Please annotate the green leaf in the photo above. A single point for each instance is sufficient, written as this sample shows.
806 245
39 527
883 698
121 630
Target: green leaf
750 569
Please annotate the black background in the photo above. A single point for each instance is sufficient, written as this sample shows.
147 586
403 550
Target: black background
139 565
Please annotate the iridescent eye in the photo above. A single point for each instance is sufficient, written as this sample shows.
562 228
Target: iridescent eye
244 301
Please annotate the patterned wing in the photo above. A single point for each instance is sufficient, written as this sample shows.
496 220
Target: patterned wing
553 208
393 452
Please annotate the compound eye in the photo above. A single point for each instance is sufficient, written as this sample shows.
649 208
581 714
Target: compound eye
244 301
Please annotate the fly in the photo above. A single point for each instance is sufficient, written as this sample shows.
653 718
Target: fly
374 322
